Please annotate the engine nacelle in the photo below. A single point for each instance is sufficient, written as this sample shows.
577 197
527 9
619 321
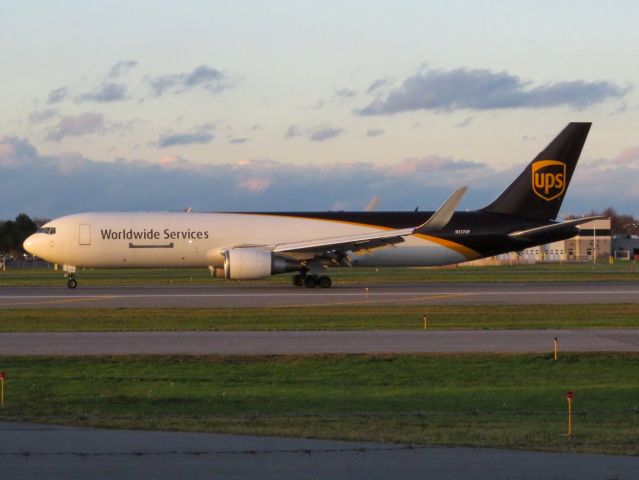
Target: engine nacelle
255 263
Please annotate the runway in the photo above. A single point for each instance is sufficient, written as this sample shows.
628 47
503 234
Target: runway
237 295
318 342
51 452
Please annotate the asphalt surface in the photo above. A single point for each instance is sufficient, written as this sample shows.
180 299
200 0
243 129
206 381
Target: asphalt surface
236 295
318 342
51 452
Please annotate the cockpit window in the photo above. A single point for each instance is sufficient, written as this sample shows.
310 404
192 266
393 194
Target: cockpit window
46 230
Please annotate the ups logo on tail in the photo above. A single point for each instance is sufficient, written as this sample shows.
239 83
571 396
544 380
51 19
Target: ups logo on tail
548 179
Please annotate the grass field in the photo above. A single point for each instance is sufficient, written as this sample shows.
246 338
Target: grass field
514 401
574 272
440 317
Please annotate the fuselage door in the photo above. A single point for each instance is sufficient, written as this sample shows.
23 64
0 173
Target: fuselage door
85 234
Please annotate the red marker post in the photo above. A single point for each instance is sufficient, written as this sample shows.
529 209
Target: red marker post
2 375
569 396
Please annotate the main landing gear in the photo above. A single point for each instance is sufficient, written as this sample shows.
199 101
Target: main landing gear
311 281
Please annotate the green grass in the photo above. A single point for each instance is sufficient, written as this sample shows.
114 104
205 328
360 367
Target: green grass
514 401
573 272
439 317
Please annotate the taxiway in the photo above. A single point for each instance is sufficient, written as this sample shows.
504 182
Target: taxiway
317 342
52 452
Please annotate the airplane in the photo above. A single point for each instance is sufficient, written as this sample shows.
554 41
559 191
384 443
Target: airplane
256 245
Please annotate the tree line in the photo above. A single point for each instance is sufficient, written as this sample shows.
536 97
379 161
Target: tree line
620 223
14 232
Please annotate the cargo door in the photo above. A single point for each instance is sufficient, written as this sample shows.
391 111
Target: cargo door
85 234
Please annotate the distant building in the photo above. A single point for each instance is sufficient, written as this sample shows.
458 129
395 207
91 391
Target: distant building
594 240
625 247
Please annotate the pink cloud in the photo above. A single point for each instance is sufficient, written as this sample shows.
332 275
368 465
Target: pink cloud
255 185
172 161
71 163
7 153
257 164
628 155
410 166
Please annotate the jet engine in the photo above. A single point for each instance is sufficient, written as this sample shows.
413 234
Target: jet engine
255 263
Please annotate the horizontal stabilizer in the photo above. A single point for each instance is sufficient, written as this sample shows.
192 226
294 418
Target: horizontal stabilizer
441 217
554 228
372 205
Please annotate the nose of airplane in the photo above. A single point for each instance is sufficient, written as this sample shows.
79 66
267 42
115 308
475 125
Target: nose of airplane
31 244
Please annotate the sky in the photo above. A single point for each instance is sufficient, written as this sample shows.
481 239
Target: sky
299 105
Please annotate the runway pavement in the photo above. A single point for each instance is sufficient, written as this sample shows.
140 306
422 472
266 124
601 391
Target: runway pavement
318 342
237 295
51 452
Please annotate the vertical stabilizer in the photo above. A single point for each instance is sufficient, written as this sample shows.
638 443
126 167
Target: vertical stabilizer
539 191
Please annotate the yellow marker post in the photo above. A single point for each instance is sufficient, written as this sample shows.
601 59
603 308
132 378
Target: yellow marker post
555 349
425 322
569 396
2 389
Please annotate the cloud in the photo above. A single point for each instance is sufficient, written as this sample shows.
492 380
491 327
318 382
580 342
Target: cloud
317 133
238 141
480 89
205 77
41 116
323 134
173 161
381 82
122 68
200 136
106 93
628 155
57 95
374 132
15 153
255 185
39 184
433 164
293 131
344 93
87 123
465 122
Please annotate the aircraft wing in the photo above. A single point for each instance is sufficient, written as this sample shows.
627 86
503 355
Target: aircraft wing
377 239
347 242
531 233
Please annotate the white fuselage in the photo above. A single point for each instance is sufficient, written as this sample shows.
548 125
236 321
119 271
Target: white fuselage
186 239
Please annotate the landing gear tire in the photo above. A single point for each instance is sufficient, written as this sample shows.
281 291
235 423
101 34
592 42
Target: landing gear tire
324 281
298 280
310 281
72 283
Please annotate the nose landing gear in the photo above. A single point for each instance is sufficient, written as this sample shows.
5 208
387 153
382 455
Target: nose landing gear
311 281
69 275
